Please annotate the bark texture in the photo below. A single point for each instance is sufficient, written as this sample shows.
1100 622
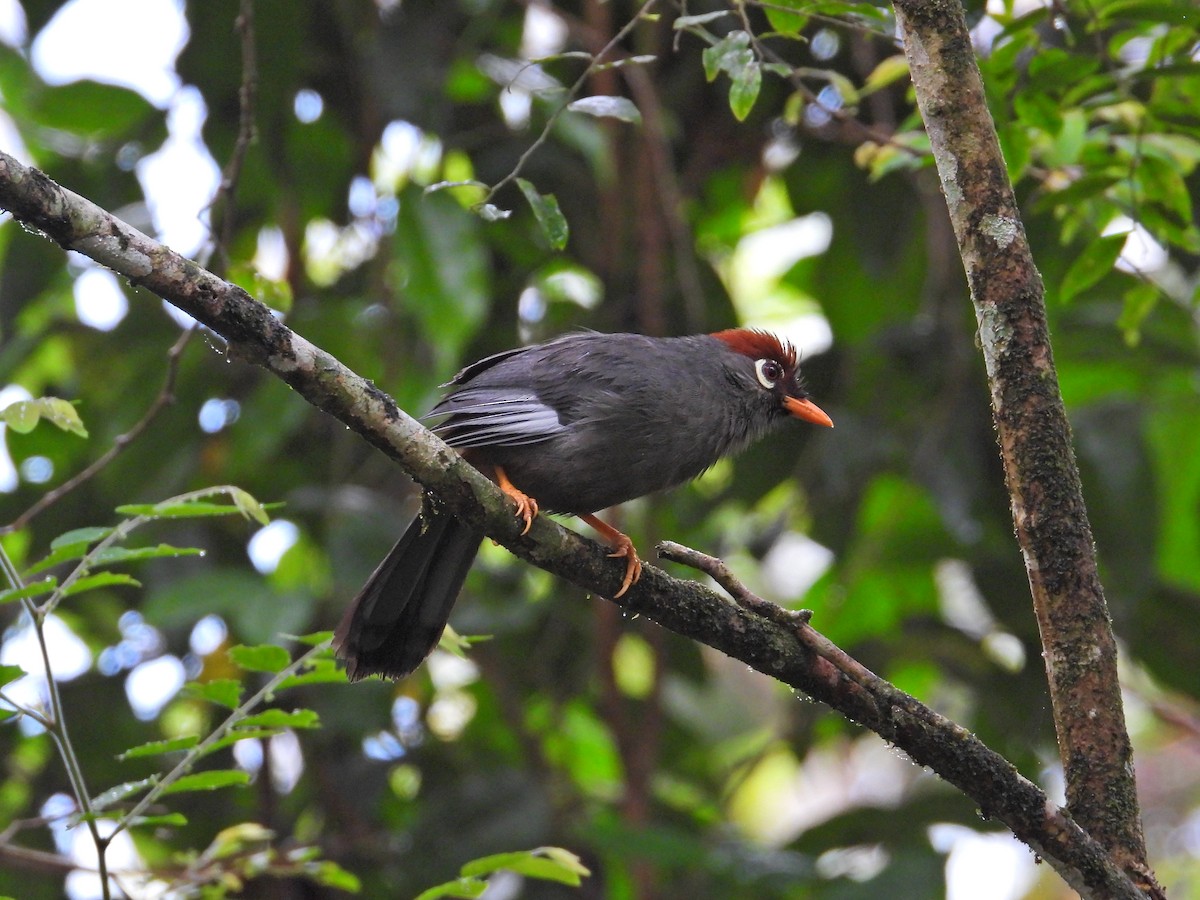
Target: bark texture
1035 439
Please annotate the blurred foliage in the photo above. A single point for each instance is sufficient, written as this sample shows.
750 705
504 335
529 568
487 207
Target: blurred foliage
671 771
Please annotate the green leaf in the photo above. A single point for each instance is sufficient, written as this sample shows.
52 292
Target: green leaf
548 215
1069 143
209 781
1038 111
167 820
462 888
9 674
1162 182
560 866
887 72
260 658
1139 302
787 16
581 742
1178 13
80 536
63 414
239 839
684 22
633 666
1096 261
1016 144
225 692
486 865
112 555
24 415
248 506
99 580
730 54
443 185
844 86
274 292
440 272
154 748
239 734
122 791
323 671
194 510
34 589
332 875
93 110
1175 442
57 557
312 639
278 718
606 106
744 90
566 859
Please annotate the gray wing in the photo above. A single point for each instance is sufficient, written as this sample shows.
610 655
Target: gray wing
494 417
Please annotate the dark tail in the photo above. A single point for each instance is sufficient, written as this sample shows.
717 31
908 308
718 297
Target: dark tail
398 617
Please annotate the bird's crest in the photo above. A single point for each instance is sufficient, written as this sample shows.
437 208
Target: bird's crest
759 345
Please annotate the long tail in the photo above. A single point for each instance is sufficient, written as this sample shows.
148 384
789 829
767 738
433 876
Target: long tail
398 617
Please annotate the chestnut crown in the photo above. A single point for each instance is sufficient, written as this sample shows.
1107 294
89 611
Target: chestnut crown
777 368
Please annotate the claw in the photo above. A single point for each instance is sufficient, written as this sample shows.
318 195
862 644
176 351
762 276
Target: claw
527 507
622 547
633 565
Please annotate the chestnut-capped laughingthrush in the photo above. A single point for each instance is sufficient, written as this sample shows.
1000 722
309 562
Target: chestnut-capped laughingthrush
574 425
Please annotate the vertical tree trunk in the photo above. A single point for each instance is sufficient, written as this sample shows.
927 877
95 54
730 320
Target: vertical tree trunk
1035 439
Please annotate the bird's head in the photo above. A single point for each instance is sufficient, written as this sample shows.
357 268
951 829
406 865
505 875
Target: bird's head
776 372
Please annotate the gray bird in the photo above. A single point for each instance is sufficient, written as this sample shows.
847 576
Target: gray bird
573 425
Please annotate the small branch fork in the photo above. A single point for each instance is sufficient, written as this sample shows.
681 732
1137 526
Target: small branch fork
795 620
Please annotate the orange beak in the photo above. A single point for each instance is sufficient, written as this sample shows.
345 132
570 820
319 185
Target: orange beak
807 410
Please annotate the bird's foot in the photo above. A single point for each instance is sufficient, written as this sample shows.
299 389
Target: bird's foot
633 565
622 546
527 507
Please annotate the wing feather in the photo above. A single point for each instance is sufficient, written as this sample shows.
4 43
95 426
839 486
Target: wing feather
494 418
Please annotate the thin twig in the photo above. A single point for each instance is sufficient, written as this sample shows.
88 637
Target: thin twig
572 91
658 150
666 185
719 572
55 723
795 620
165 397
796 77
193 755
222 203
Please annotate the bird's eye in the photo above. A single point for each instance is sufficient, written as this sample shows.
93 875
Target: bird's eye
769 372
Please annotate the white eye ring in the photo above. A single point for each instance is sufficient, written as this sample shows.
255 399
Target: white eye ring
768 371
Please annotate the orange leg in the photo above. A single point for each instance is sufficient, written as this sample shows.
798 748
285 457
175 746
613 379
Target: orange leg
527 507
622 546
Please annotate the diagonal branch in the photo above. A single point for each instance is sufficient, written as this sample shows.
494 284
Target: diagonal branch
684 607
1035 439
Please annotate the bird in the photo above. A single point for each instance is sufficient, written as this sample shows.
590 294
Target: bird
575 425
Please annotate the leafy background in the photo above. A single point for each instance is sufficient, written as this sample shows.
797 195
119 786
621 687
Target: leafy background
670 770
